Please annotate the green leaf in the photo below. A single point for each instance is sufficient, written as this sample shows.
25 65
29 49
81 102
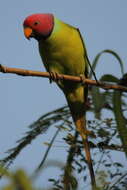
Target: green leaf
109 78
5 172
22 181
98 100
95 62
123 80
37 128
120 119
18 180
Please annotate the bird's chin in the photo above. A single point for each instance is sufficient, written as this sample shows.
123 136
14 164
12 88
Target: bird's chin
31 36
36 36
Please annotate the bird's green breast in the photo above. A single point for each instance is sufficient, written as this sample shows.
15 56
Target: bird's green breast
63 51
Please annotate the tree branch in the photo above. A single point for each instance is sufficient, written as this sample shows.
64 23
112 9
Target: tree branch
24 72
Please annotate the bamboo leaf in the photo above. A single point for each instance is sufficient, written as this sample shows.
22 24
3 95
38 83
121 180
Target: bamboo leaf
95 62
98 100
109 78
120 119
37 128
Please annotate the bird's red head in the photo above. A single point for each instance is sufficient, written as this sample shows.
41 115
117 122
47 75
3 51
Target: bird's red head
38 26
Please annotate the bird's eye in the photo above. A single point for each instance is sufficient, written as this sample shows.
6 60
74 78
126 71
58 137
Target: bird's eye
36 23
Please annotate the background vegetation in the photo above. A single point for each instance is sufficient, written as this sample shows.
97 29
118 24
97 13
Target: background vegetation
106 117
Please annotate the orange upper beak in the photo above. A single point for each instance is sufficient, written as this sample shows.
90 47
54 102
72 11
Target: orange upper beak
28 32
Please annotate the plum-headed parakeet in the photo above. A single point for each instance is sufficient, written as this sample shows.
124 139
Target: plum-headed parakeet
62 51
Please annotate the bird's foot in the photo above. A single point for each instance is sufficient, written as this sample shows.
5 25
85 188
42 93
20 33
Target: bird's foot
82 79
53 77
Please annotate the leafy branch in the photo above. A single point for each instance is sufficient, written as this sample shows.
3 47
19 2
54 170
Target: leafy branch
110 132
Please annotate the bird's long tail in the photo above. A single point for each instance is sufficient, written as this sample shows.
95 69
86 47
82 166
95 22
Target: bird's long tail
81 128
76 99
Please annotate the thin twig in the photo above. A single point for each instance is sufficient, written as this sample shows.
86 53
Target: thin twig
24 72
118 181
36 173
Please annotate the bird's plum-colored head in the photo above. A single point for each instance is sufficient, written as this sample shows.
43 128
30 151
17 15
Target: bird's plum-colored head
38 26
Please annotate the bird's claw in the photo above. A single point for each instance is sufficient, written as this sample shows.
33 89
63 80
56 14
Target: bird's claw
53 77
82 79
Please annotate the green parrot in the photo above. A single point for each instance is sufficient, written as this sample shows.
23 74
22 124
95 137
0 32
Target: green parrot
62 51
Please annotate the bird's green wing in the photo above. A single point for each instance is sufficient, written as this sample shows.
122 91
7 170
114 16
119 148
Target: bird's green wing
85 54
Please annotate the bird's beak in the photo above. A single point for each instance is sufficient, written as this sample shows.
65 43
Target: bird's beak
28 32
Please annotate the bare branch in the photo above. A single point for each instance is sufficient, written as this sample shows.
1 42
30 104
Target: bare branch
24 72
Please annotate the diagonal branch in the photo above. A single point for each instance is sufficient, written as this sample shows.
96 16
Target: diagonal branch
24 72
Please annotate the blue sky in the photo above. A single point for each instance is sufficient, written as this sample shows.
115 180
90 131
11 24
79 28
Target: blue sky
103 26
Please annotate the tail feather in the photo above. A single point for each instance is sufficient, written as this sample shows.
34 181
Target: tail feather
76 102
82 129
76 99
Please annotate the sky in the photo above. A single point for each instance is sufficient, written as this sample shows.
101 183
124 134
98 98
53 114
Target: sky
23 99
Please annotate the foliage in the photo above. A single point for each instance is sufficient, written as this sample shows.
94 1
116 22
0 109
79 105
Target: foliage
111 139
